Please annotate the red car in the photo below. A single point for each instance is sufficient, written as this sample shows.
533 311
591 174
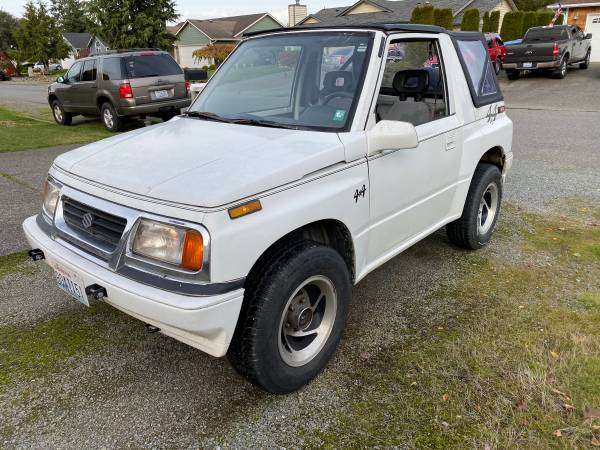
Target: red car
496 49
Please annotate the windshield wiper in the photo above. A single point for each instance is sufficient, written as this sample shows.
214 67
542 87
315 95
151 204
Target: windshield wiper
265 123
208 116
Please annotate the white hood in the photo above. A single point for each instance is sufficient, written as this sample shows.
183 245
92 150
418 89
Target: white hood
203 163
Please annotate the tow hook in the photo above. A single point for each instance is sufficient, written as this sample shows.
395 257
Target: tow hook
151 329
96 292
36 254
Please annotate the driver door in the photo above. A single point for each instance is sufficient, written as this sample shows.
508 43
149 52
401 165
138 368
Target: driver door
67 91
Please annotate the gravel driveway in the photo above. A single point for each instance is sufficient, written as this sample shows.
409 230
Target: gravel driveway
112 385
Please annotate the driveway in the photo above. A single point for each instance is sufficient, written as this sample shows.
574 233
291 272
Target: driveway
136 390
24 92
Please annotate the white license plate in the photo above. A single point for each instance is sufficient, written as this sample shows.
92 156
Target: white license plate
161 94
527 65
71 283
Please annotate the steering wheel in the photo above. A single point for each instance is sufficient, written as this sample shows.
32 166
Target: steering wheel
333 95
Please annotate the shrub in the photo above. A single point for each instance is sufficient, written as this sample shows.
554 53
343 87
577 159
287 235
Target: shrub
470 20
529 20
216 52
494 21
544 18
443 18
512 26
486 23
423 15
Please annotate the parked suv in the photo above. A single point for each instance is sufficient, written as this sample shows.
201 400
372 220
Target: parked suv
289 180
120 84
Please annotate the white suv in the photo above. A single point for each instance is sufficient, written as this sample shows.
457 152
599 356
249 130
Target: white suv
240 227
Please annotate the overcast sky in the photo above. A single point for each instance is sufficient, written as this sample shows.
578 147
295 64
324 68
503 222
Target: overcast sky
207 9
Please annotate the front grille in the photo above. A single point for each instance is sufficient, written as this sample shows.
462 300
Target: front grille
98 224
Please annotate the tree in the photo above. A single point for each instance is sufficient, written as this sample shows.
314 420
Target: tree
494 21
215 52
38 37
8 26
529 20
512 26
470 20
133 23
71 15
544 18
486 23
423 15
443 18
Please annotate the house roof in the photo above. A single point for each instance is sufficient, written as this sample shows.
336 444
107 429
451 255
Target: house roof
78 40
575 4
225 28
173 29
397 11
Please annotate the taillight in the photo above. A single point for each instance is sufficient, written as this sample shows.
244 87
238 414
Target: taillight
555 50
187 87
125 90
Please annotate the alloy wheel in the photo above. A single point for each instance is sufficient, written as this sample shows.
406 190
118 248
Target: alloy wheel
488 208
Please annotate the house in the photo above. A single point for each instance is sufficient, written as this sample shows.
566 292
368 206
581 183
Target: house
586 15
196 34
81 45
389 11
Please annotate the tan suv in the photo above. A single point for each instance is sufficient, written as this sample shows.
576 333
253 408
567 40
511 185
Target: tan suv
120 84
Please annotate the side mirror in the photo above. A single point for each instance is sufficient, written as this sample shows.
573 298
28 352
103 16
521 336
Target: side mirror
60 80
588 36
391 135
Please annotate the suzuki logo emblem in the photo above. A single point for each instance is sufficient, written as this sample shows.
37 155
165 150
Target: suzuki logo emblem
87 220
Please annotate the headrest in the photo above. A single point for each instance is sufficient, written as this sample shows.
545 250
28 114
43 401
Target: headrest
411 83
339 80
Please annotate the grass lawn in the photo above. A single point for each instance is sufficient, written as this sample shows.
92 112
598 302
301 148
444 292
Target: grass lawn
20 131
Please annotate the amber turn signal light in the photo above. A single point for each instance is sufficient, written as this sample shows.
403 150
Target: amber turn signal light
245 209
193 251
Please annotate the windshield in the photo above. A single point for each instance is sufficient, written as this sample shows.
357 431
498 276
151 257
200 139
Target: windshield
546 34
299 80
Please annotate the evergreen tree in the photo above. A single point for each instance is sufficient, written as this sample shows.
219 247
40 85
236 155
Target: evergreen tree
8 26
512 26
428 12
71 15
529 20
494 21
38 37
443 18
133 23
470 20
486 23
417 15
544 18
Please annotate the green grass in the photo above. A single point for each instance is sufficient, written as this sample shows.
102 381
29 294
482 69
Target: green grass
14 263
516 367
21 131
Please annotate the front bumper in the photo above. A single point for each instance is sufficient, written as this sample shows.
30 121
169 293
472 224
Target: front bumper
206 323
540 65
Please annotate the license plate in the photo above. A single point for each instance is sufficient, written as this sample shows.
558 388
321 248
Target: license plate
527 65
71 283
161 94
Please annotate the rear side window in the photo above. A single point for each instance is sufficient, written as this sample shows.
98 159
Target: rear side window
151 65
478 70
111 69
89 71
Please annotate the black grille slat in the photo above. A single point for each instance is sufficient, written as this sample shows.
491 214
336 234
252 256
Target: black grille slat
106 227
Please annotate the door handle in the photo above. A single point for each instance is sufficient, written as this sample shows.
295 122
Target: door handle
450 141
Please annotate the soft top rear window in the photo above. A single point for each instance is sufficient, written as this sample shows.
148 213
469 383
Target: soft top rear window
151 65
546 34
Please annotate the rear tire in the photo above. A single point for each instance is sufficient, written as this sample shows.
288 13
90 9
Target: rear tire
497 66
60 115
476 226
513 74
109 117
561 71
586 62
302 282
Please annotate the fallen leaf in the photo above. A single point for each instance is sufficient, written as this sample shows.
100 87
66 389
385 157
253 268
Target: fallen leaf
521 306
577 255
555 239
414 383
556 391
567 406
557 433
596 427
364 355
478 408
595 442
591 413
445 397
522 405
554 355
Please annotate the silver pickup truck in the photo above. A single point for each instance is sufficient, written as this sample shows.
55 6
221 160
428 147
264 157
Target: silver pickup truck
549 48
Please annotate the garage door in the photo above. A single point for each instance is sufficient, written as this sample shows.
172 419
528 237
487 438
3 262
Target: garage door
185 58
593 26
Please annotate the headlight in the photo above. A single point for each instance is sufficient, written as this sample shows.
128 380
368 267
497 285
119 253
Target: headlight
169 244
51 194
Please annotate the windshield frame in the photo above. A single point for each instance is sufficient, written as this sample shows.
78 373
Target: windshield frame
369 34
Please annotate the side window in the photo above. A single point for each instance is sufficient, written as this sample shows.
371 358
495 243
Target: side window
413 87
499 41
490 42
480 74
111 69
74 74
89 70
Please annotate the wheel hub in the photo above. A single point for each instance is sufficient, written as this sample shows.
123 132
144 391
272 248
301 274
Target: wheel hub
300 313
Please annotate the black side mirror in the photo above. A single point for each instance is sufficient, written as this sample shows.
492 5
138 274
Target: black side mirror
588 36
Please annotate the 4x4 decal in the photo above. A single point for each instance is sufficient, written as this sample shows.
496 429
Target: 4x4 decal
360 193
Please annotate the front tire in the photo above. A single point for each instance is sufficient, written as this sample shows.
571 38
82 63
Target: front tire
293 317
110 119
60 115
476 226
497 66
586 62
512 74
